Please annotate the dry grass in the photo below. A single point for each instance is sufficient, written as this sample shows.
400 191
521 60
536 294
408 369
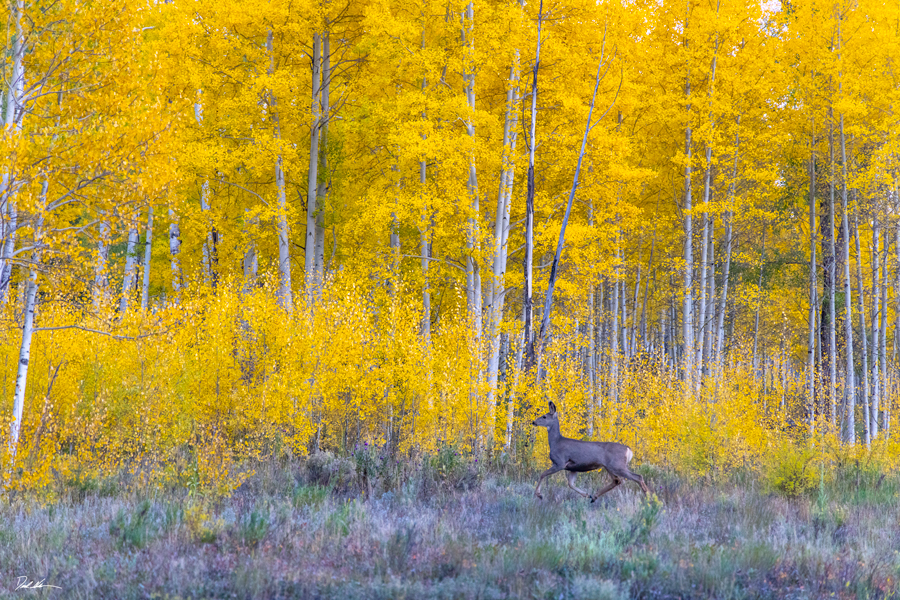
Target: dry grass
456 533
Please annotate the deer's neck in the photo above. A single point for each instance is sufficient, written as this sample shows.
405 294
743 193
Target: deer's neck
553 434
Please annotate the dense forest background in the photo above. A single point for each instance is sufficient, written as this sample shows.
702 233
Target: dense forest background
243 229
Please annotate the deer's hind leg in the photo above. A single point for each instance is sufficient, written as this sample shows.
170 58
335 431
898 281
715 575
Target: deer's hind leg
626 473
616 481
570 477
638 480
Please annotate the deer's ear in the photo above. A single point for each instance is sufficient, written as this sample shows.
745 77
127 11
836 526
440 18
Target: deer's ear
552 408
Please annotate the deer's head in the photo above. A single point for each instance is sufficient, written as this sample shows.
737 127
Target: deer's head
549 419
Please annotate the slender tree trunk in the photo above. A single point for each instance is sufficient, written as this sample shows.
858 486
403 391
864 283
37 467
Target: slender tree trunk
129 279
762 268
313 176
101 274
322 171
251 260
591 354
548 303
425 248
31 288
285 295
813 288
711 295
634 304
862 327
701 301
720 328
876 321
828 289
425 231
688 282
501 231
529 208
12 121
649 270
849 383
886 414
148 237
210 248
614 333
174 251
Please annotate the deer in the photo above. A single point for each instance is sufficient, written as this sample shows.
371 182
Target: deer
579 456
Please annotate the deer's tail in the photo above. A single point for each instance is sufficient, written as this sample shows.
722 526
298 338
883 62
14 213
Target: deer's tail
628 455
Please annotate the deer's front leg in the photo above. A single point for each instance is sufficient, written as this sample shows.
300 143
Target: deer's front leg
550 471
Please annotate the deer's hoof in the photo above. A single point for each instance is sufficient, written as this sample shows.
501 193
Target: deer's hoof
593 498
538 496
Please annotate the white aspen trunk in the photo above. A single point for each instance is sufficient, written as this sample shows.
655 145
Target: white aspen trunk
250 263
285 294
849 383
762 266
473 272
720 327
876 321
130 275
711 297
24 357
591 355
424 245
322 171
210 248
148 246
886 414
813 289
832 351
862 327
425 248
701 302
395 255
174 251
704 256
101 279
634 319
688 283
9 245
723 298
501 232
528 307
31 288
614 334
652 273
313 176
12 121
554 267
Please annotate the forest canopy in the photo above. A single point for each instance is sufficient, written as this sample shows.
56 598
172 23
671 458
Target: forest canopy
243 229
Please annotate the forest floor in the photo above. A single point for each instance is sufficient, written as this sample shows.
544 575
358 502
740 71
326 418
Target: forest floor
475 534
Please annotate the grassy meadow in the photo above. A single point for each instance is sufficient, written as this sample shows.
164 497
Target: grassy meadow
445 527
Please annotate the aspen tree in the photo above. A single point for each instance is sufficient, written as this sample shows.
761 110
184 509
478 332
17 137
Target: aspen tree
285 295
501 229
12 123
174 251
129 278
867 434
101 275
148 237
313 174
688 282
527 334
